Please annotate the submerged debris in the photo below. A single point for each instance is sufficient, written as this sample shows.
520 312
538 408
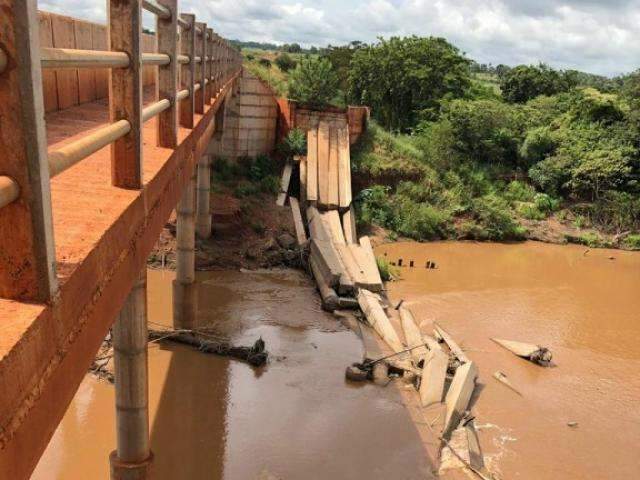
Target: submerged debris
255 355
534 353
502 378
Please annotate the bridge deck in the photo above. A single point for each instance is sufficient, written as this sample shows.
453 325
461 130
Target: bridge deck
103 235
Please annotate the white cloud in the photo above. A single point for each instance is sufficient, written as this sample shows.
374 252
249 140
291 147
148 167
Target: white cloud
599 36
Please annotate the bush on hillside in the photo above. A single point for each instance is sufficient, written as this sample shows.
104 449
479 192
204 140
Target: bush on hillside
285 62
313 82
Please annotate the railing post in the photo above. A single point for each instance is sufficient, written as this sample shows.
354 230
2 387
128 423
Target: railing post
216 66
201 51
167 86
27 253
209 89
125 92
187 72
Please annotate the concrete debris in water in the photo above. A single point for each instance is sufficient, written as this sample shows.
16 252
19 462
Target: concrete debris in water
502 378
534 353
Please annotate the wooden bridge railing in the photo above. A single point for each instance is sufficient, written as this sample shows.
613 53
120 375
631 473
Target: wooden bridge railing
194 63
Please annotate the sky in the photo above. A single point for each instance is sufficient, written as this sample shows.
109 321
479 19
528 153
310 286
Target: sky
597 36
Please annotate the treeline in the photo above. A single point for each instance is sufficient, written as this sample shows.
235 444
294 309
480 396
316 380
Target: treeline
472 158
287 47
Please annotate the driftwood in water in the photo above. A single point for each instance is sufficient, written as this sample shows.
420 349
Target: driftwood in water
255 355
529 351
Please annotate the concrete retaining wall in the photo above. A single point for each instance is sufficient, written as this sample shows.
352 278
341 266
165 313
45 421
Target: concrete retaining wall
250 119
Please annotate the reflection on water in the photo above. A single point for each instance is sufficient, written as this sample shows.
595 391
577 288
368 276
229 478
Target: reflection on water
215 419
584 305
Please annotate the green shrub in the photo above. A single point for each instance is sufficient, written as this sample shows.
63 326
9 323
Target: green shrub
632 242
265 62
260 167
518 191
421 221
589 239
285 62
270 184
374 206
493 214
387 271
246 189
538 144
313 82
295 143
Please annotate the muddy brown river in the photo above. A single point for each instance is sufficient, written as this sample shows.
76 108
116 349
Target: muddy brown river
212 418
582 304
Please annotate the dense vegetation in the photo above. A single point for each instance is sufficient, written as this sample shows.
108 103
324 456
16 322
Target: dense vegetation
462 150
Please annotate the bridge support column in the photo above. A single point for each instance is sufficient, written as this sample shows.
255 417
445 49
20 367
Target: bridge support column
203 221
184 288
132 458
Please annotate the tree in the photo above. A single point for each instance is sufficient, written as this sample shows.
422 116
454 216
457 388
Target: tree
404 80
285 62
526 82
313 82
340 58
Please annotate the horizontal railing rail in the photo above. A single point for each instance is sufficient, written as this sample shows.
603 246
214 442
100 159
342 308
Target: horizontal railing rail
193 65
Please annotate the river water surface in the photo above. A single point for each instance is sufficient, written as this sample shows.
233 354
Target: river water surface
582 304
212 418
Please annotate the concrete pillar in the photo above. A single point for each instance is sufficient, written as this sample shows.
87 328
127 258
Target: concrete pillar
203 221
184 291
132 458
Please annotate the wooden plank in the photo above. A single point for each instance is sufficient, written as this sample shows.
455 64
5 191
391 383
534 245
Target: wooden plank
369 276
453 346
318 229
312 166
459 395
323 164
476 459
412 336
328 261
49 85
297 220
167 85
125 93
188 71
371 266
331 220
86 77
27 269
333 197
66 78
344 169
303 179
330 299
284 184
373 311
351 266
99 42
349 225
434 374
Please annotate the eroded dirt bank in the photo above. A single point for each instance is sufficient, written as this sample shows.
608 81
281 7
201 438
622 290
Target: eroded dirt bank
583 304
213 418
